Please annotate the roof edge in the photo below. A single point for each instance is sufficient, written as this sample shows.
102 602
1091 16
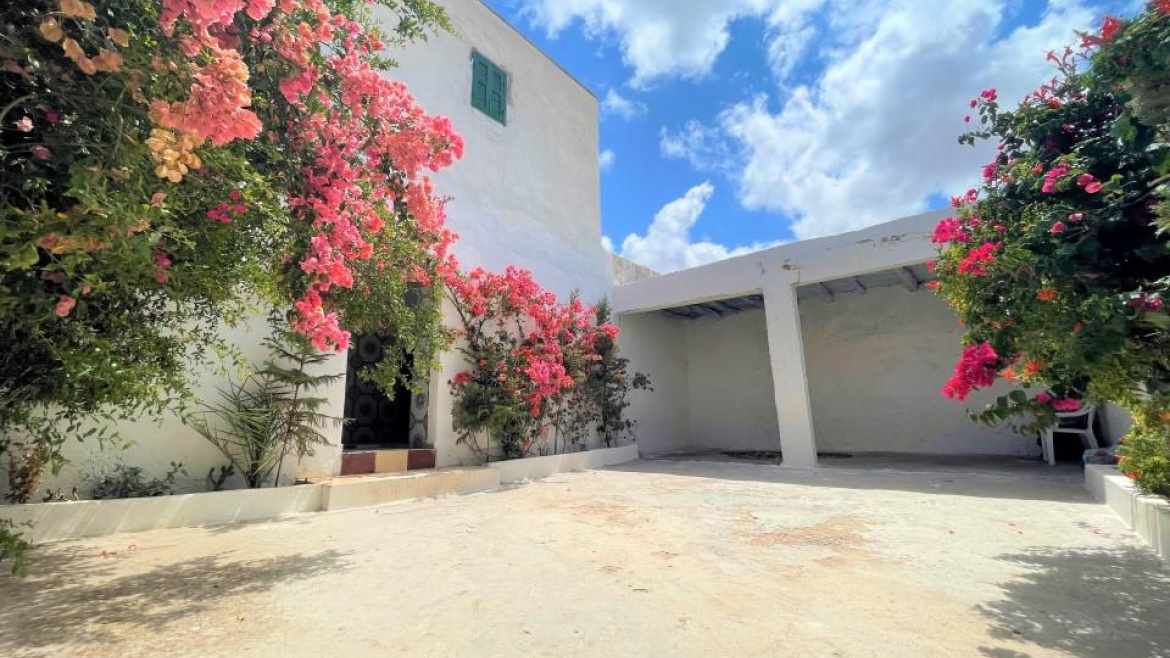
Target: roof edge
538 49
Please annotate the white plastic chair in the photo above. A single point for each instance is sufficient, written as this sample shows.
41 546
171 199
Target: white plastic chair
1088 413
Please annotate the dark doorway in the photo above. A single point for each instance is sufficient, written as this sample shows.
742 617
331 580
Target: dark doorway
375 421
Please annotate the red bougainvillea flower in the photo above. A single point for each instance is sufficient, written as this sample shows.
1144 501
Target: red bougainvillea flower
1162 6
1047 294
1058 228
1051 178
1066 404
1089 183
65 305
1110 27
1146 302
950 230
1044 398
977 368
976 261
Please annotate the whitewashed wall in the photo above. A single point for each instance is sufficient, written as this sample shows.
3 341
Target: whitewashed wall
154 443
526 193
730 398
657 345
875 365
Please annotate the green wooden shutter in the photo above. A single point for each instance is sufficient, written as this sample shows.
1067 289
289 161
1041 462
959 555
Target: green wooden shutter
498 95
489 88
479 84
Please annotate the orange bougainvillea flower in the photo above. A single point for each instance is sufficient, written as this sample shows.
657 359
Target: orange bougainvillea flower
1047 294
77 9
108 60
119 36
1032 367
74 52
51 30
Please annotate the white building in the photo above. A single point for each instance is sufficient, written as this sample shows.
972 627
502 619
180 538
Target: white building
828 345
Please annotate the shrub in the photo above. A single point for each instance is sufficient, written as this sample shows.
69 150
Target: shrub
272 413
132 482
13 547
1057 266
540 370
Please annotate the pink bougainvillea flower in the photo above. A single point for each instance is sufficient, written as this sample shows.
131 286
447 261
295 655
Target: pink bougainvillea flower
950 230
40 152
1066 404
1076 217
1089 183
24 124
1110 27
1044 398
156 199
1051 178
65 305
977 368
989 95
976 261
1058 228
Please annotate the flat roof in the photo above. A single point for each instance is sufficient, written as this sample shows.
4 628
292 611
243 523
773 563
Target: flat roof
887 246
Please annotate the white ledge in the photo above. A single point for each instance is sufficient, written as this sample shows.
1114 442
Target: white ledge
1148 516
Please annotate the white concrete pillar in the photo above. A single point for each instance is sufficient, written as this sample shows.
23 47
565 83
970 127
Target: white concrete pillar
789 379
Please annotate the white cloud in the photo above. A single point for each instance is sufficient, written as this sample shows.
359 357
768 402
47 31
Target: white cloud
875 136
615 103
667 244
658 38
705 148
605 159
607 243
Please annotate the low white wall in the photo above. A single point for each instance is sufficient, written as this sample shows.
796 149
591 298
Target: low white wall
1148 516
731 403
657 345
91 518
876 362
518 470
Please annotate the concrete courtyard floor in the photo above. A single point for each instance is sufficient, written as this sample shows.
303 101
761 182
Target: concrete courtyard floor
653 558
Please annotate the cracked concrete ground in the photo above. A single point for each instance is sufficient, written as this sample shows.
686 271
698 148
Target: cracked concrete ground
654 558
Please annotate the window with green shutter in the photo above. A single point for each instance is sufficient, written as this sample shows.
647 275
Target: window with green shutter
489 88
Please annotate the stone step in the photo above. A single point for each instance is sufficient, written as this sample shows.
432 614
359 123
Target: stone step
365 490
390 460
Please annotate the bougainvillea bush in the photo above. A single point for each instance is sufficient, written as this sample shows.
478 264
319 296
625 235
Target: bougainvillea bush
544 377
171 165
1057 266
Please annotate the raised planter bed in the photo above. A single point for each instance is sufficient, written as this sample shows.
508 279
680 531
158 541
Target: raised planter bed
1148 516
93 518
532 468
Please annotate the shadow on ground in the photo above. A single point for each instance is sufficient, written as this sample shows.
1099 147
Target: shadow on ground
1085 604
71 596
1013 480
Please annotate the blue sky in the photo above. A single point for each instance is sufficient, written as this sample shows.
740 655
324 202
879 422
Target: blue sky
737 124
